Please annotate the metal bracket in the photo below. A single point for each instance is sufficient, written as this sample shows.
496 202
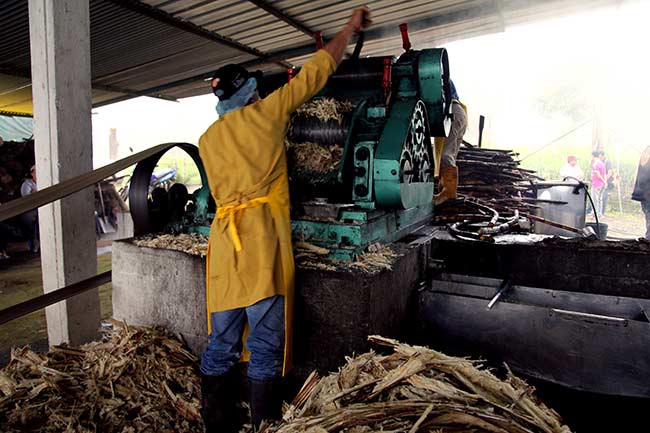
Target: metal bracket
646 314
436 265
505 285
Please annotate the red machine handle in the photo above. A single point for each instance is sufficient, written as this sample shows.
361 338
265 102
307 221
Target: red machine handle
319 40
291 72
386 77
406 43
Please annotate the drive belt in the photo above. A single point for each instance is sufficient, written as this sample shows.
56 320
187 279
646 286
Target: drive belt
77 183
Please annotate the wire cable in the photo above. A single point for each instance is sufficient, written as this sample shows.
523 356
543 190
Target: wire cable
557 139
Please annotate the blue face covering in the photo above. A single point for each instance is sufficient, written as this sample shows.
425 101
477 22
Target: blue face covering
239 99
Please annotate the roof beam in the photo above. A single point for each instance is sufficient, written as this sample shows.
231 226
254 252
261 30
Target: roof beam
129 93
392 30
262 4
162 16
374 33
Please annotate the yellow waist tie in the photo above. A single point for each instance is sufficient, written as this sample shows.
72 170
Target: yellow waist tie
230 211
461 104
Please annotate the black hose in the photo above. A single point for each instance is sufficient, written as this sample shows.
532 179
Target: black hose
357 48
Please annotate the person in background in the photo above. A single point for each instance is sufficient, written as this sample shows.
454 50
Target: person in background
598 181
29 184
8 190
448 170
250 267
4 239
571 169
30 219
610 177
641 191
7 233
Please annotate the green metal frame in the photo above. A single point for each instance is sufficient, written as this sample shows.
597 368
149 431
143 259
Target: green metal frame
433 77
386 209
347 238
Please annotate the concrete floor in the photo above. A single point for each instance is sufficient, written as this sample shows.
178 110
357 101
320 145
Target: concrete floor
20 280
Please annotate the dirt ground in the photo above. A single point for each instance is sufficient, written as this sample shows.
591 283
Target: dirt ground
20 280
623 226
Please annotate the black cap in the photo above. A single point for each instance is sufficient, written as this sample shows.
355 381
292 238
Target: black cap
230 78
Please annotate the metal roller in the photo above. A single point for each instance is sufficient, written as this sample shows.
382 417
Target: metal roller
354 77
313 130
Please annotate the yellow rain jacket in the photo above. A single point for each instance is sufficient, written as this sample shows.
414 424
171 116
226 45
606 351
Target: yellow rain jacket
250 257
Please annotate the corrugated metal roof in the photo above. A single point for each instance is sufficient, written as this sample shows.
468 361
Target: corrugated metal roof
168 47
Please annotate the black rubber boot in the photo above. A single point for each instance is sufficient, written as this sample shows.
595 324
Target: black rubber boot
218 406
265 400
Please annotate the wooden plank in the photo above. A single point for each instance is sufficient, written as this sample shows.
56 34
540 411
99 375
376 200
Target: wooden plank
31 305
77 183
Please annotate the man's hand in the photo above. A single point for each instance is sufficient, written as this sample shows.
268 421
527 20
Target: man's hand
360 19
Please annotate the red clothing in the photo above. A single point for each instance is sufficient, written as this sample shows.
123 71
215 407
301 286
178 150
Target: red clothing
598 167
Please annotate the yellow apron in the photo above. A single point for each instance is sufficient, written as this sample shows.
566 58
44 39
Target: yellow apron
230 213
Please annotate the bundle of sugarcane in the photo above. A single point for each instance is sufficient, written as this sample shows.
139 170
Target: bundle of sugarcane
316 135
493 178
310 256
138 379
415 389
192 243
313 157
326 109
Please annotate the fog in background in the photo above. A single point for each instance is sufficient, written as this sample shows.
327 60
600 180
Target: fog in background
537 82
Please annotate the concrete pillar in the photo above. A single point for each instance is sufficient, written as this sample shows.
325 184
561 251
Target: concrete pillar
60 52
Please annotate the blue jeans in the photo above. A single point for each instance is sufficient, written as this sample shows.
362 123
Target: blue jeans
265 340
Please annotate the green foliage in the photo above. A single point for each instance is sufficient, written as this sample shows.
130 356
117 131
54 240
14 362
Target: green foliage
22 281
565 100
566 94
186 171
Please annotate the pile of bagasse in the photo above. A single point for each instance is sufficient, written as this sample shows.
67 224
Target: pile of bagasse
142 379
306 255
314 157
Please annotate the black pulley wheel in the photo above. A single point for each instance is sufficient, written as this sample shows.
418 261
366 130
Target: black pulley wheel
143 221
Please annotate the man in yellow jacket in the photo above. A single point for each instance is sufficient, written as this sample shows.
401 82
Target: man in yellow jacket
250 269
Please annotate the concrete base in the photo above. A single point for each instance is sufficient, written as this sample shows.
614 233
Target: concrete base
160 288
335 311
